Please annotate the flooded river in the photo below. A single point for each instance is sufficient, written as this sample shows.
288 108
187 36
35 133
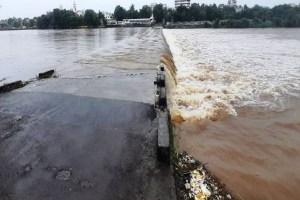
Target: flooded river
237 96
78 53
237 108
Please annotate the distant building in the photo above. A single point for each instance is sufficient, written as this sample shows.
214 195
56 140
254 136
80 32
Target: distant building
232 3
110 18
108 15
111 21
138 22
78 12
186 3
294 5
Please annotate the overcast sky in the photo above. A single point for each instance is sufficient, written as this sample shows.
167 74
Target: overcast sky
31 8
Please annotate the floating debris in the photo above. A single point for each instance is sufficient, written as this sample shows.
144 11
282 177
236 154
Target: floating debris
195 182
18 118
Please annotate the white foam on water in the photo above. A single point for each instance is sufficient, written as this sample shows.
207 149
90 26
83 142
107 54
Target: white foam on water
219 70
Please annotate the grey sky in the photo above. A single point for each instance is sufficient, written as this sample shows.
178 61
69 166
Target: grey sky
31 8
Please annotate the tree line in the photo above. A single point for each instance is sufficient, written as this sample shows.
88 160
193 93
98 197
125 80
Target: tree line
121 13
230 17
60 19
64 19
219 16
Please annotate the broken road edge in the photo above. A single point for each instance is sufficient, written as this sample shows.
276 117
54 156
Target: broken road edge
8 87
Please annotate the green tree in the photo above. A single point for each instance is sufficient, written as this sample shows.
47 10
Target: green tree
15 22
132 13
195 12
158 13
102 19
32 23
70 20
120 13
169 15
44 21
145 12
212 12
182 14
228 12
57 18
91 18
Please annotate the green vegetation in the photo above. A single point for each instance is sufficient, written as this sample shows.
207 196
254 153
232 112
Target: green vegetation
121 13
229 17
64 19
221 16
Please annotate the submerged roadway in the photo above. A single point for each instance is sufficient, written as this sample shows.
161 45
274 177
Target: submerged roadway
86 135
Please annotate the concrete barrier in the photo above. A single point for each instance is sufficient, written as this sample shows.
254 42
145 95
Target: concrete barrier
163 147
19 84
163 151
160 79
162 101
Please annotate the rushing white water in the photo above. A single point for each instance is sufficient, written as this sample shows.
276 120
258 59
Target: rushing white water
253 74
220 70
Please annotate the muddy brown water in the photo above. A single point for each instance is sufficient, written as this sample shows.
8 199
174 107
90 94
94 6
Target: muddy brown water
257 155
247 82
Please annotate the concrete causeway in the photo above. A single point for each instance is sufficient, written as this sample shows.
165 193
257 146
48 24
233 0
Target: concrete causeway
91 137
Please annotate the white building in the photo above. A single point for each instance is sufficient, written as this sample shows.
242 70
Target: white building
233 3
78 12
138 22
186 3
108 15
110 18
